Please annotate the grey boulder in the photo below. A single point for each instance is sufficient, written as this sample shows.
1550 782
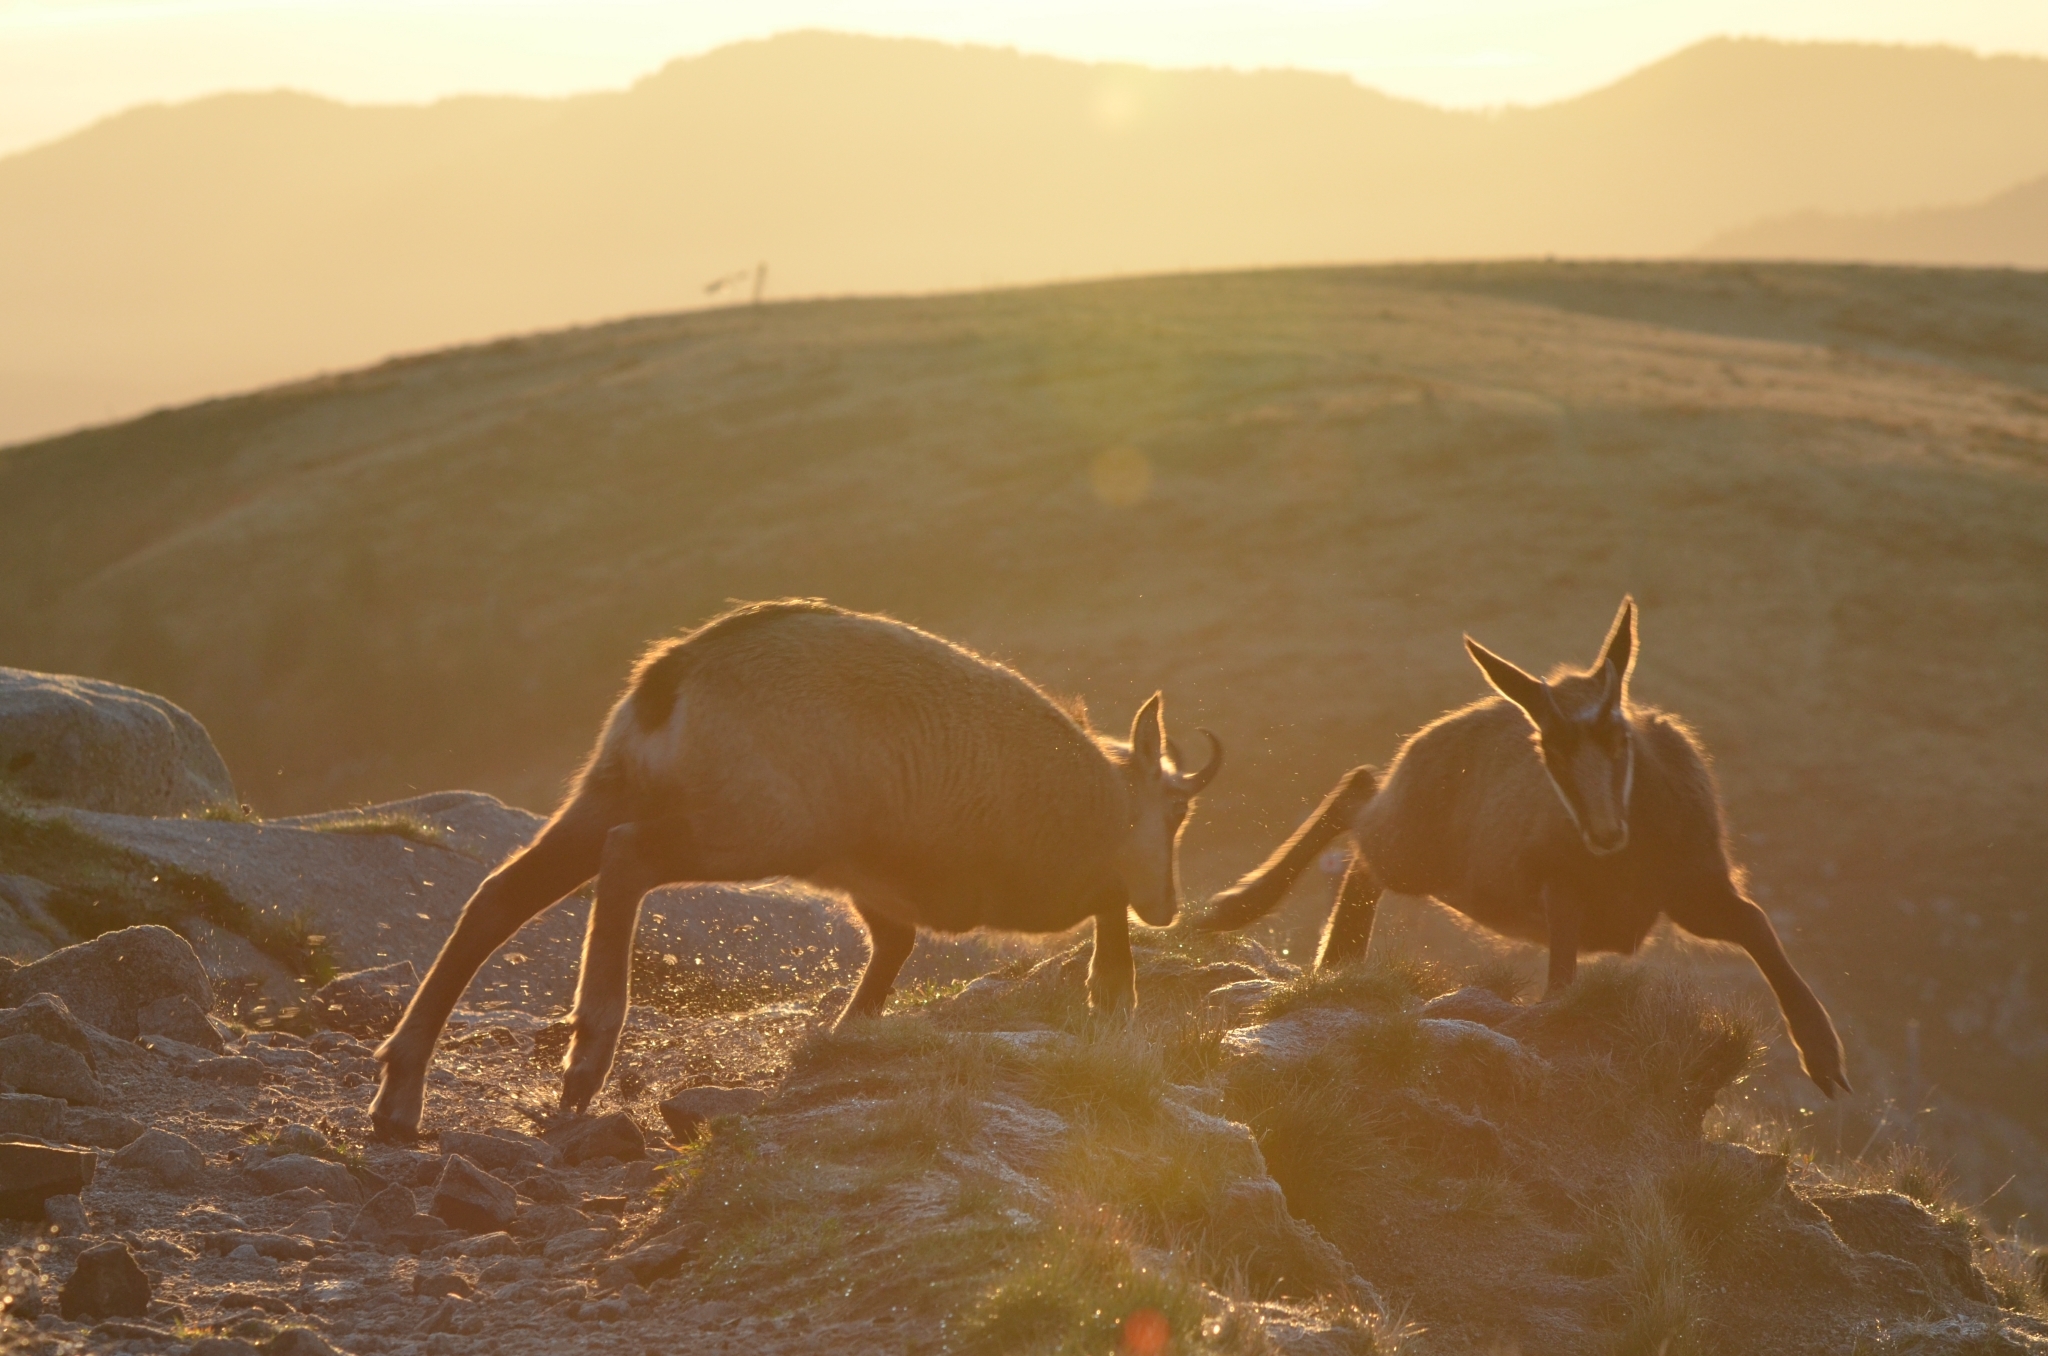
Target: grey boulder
276 1176
106 1283
172 1160
471 1199
31 1172
102 746
498 1152
101 1128
46 1015
688 1111
109 980
615 1136
25 1113
34 1065
181 1019
28 929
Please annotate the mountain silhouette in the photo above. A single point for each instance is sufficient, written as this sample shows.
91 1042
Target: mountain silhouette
174 252
2010 229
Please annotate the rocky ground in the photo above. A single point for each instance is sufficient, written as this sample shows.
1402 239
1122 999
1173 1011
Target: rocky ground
1260 1162
1404 1156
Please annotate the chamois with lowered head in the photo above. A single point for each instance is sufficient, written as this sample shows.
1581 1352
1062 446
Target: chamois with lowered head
1557 811
930 786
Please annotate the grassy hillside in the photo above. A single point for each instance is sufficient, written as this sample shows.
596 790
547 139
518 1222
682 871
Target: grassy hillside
172 253
1279 496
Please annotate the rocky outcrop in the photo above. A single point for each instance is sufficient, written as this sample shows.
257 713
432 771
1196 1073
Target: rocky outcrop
471 1199
105 1283
617 1135
689 1110
109 981
28 929
101 746
171 1160
32 1172
383 885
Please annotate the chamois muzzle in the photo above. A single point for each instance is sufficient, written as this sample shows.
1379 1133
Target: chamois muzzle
1608 843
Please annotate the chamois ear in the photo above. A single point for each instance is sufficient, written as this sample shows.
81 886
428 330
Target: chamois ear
1518 687
1620 646
1148 738
1610 688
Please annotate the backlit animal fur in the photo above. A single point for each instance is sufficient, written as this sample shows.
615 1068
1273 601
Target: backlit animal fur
932 787
1559 812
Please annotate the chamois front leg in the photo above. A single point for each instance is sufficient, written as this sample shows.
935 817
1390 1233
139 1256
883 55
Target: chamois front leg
889 945
634 863
1348 933
1564 911
1112 973
1728 916
562 857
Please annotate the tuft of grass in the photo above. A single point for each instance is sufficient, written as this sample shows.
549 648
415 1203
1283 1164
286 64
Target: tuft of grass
1655 1238
1115 1077
1379 984
1912 1172
1653 1259
1319 1124
1502 975
1672 1044
1492 1196
1070 1289
2015 1271
101 888
1712 1195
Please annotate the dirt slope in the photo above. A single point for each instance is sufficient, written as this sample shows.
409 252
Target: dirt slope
1281 497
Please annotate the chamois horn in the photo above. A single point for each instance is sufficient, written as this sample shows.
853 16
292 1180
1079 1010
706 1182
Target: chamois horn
1192 783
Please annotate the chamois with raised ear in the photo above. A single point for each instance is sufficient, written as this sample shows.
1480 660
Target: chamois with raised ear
930 786
1557 811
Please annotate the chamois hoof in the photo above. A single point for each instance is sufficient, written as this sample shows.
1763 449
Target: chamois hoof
1231 909
393 1132
395 1112
1831 1083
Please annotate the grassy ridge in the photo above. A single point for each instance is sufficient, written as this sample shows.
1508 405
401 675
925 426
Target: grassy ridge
1280 496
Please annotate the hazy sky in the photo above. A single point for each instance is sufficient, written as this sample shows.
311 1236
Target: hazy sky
64 63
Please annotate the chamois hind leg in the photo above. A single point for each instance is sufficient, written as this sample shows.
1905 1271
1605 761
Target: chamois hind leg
889 945
1348 933
560 858
1112 974
1726 915
1564 912
637 858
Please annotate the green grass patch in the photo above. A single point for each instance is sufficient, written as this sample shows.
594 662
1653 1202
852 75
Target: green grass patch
1671 1043
1380 984
100 888
1073 1287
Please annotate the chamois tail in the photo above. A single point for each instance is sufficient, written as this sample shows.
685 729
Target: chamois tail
1259 893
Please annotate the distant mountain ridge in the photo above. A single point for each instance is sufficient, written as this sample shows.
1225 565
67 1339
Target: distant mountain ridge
2010 229
174 252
